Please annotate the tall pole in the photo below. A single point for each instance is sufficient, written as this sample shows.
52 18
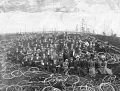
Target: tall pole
83 26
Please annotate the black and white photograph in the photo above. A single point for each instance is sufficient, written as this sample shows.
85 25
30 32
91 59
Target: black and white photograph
59 45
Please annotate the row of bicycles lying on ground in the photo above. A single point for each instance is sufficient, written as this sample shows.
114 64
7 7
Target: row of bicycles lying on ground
34 80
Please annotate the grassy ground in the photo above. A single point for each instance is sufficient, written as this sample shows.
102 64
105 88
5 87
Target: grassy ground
115 41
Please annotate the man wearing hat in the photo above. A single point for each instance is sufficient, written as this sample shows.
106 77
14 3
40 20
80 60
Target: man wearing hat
65 66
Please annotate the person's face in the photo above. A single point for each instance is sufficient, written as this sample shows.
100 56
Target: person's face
17 50
71 59
9 52
35 44
37 55
66 60
52 57
77 59
32 55
21 51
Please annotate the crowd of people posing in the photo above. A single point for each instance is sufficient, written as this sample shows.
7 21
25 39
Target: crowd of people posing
62 53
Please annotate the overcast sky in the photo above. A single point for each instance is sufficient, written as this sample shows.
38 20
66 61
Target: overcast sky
99 15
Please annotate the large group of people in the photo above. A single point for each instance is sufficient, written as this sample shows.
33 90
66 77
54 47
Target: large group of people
62 53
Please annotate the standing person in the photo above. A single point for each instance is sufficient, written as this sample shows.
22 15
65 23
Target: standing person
31 59
60 70
65 66
65 54
44 62
58 65
102 60
49 63
55 65
37 59
71 65
71 51
25 61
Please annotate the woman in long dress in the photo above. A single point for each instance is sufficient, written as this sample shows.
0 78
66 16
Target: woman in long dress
107 70
92 70
104 69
